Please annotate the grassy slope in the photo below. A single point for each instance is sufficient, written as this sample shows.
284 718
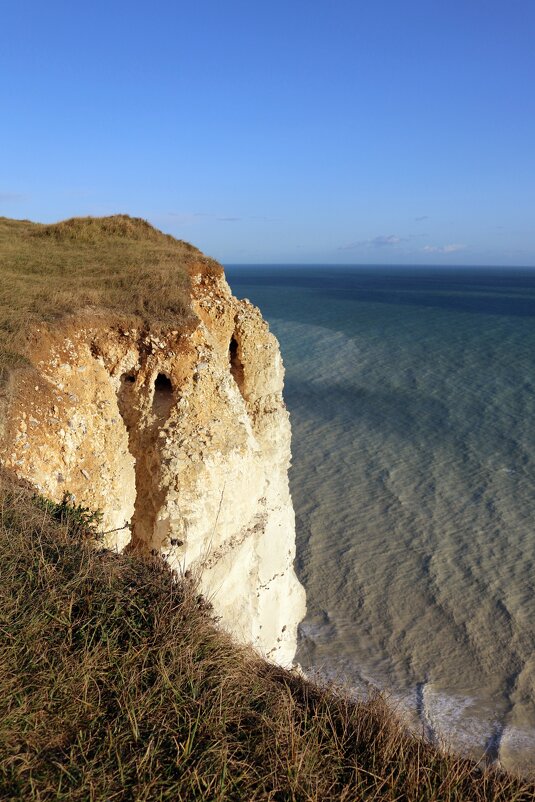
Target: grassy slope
116 685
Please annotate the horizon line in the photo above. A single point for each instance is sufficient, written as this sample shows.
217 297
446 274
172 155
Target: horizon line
448 266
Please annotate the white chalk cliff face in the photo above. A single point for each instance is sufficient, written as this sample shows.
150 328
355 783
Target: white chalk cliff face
182 440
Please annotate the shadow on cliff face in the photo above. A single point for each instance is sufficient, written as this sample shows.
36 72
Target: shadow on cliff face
144 445
236 365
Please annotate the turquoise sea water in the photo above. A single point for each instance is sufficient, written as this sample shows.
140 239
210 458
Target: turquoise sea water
412 401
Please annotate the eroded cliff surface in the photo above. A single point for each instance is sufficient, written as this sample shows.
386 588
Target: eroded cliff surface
181 438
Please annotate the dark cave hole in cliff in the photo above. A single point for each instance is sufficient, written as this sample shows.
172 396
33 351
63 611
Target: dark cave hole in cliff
236 365
163 396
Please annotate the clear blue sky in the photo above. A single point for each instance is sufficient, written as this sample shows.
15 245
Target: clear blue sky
386 131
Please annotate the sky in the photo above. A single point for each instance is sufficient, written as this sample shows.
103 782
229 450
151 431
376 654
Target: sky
317 131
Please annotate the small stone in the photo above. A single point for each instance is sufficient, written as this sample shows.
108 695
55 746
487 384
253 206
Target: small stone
84 473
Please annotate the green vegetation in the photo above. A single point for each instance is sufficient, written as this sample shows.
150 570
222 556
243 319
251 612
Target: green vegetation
117 263
80 520
115 684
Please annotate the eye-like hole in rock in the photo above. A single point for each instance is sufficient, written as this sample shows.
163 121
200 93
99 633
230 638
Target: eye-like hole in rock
163 396
236 366
163 384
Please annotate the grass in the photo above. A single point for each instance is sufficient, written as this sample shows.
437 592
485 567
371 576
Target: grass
116 684
118 264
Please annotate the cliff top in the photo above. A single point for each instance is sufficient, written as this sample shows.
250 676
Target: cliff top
119 264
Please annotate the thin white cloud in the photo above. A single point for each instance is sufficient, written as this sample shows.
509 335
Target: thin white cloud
391 239
382 241
184 218
11 197
190 218
452 248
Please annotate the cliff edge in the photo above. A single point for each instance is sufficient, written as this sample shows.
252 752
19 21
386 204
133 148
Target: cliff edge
145 390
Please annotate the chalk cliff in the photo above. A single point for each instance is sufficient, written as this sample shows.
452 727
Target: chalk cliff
181 438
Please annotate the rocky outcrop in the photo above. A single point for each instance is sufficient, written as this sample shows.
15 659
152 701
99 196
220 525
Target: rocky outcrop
181 439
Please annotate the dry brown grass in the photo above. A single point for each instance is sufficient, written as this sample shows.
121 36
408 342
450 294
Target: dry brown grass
116 685
117 263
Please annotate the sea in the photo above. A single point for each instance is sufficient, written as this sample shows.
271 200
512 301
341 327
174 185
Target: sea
411 393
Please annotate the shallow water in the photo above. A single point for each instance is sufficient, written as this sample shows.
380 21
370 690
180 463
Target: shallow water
412 402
